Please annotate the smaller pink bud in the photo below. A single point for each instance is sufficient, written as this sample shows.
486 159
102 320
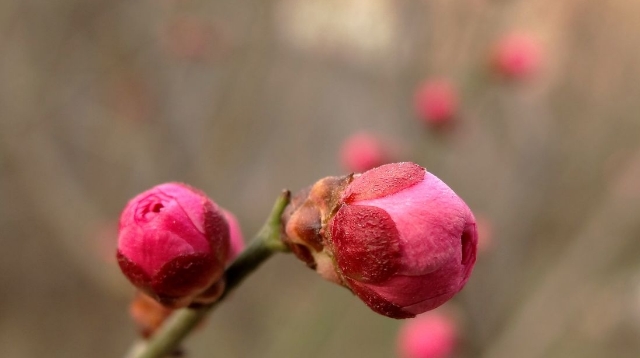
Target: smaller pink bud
363 151
436 102
431 335
517 56
173 243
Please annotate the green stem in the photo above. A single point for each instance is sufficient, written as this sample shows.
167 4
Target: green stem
181 323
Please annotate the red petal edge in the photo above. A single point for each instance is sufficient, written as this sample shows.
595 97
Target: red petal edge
134 273
366 243
383 181
185 276
377 303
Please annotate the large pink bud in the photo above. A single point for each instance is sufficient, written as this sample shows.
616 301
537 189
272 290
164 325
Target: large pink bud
396 236
173 244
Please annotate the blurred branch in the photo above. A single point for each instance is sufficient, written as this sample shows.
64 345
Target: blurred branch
55 196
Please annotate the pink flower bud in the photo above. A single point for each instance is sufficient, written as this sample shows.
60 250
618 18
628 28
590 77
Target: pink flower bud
517 56
432 335
396 236
436 102
173 243
363 151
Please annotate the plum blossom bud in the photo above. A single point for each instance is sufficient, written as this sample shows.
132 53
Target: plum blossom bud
173 244
432 335
436 102
396 236
363 151
517 56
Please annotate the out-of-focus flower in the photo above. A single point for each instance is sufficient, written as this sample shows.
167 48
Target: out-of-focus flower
396 236
517 56
363 151
131 98
235 233
173 244
436 102
432 335
193 38
485 233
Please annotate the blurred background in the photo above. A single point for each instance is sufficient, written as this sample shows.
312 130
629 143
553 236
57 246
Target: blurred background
100 100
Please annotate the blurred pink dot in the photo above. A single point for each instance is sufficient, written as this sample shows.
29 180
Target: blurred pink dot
517 55
363 151
430 335
436 101
485 233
